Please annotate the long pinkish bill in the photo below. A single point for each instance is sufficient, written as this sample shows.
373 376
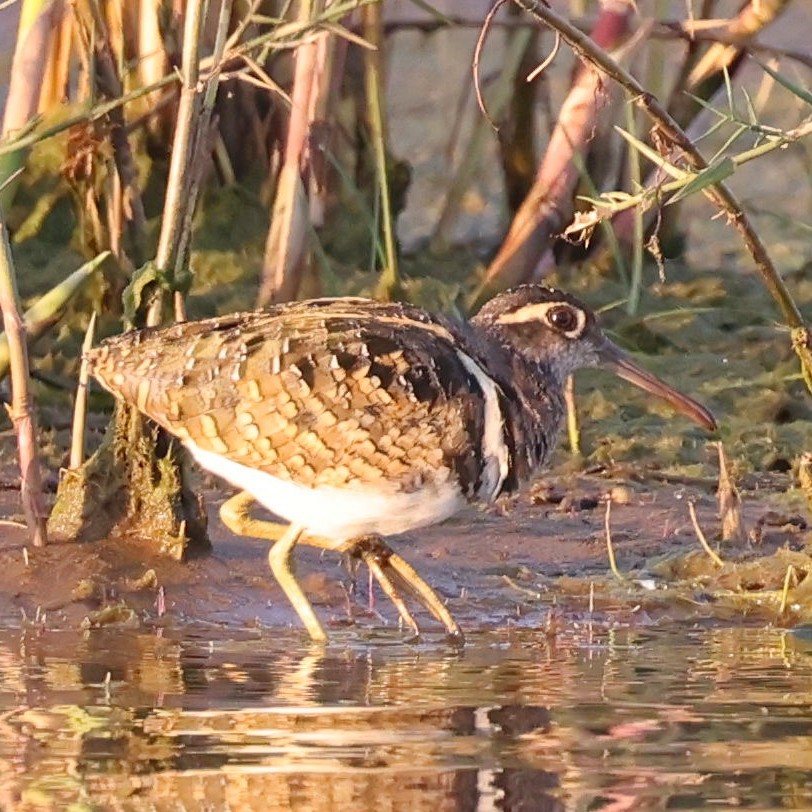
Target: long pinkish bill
623 366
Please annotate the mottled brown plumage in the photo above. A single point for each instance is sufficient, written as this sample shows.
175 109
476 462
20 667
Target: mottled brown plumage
349 417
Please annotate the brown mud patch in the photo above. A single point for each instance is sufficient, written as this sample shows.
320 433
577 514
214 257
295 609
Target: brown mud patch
534 562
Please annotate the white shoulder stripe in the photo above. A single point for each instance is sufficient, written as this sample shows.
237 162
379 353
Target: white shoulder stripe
496 457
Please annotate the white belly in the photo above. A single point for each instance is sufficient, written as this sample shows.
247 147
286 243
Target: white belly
340 514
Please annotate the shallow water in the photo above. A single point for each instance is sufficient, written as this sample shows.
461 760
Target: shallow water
589 719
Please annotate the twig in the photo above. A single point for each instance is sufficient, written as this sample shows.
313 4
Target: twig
547 61
675 30
530 593
548 205
22 409
77 444
610 550
608 205
480 44
191 128
199 148
499 96
636 179
701 536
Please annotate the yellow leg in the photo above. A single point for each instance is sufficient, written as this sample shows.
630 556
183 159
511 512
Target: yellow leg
279 559
371 559
235 515
376 554
374 548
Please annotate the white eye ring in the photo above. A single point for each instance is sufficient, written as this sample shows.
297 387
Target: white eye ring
576 312
541 311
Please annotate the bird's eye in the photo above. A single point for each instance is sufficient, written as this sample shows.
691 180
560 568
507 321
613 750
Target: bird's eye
564 319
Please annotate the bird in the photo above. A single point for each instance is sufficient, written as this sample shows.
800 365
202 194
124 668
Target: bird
353 420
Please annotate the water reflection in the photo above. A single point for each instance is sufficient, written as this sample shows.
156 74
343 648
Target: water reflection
620 720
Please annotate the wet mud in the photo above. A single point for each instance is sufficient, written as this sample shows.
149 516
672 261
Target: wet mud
529 562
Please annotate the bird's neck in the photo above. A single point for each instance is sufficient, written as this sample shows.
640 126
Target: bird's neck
538 406
533 406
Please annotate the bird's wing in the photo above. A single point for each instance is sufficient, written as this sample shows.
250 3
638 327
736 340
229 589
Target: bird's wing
323 394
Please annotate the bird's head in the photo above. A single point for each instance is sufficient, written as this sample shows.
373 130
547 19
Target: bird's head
560 334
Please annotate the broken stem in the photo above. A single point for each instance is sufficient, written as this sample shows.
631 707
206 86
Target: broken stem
77 442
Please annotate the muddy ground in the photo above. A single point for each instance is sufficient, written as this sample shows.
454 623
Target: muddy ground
536 560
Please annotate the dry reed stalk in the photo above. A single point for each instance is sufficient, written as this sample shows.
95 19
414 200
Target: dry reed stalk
610 548
152 64
203 144
182 155
22 411
55 80
111 15
789 577
286 244
752 18
573 425
38 19
374 83
330 61
805 477
549 205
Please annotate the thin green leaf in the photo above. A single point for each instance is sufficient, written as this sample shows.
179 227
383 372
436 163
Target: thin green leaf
731 139
652 155
710 176
752 117
801 92
731 103
706 105
435 12
717 125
